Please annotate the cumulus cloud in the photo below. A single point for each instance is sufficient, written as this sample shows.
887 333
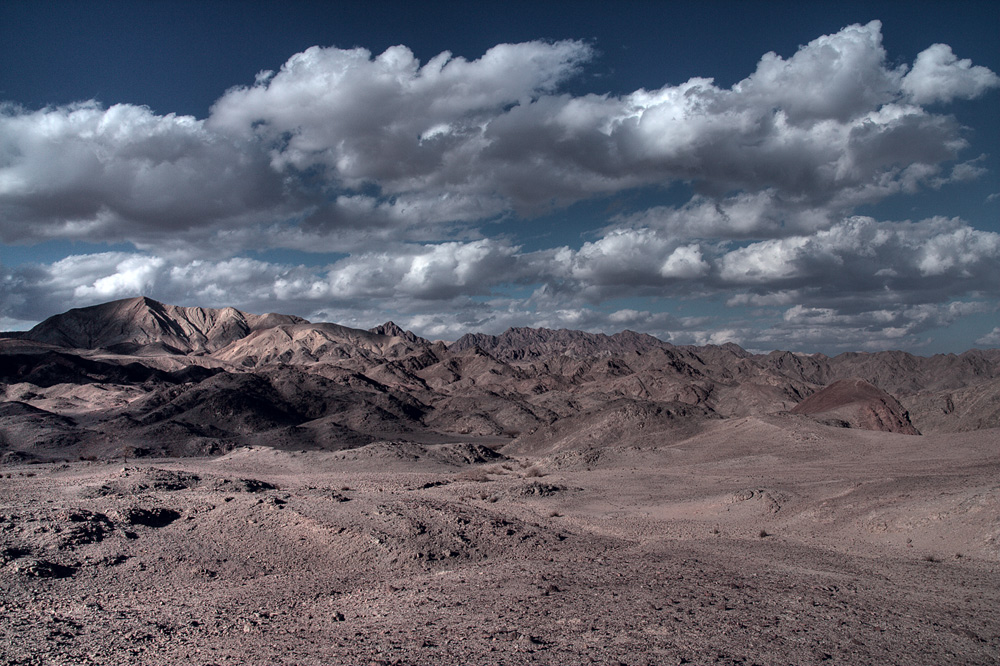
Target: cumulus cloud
991 339
425 273
860 277
861 255
889 327
744 215
939 76
628 257
125 174
835 77
340 142
389 117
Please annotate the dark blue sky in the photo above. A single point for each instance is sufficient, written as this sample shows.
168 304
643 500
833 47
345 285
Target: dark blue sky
180 56
937 170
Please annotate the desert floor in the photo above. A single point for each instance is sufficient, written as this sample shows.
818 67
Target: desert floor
759 541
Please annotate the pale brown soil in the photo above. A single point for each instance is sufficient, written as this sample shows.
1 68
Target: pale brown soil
771 540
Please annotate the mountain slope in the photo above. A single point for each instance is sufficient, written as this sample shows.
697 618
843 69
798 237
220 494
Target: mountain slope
129 324
516 344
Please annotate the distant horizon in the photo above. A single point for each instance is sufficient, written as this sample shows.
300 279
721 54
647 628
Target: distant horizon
811 177
447 342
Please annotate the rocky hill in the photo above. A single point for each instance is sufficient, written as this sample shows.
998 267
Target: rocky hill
133 323
140 376
855 403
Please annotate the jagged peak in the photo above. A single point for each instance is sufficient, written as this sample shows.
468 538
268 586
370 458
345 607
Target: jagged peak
392 330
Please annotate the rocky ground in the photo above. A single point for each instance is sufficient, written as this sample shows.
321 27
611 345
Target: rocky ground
764 540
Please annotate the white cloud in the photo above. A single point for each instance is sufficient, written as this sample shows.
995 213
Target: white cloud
430 272
990 339
346 147
718 337
743 215
958 251
125 174
863 255
938 75
834 77
765 262
388 118
685 262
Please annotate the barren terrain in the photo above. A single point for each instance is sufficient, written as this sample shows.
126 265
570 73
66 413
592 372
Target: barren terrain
542 497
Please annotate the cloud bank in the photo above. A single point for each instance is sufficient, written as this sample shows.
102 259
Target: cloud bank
412 170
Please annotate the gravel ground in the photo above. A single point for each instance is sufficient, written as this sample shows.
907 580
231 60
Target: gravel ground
758 543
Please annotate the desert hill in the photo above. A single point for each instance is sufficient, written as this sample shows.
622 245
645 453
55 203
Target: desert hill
139 375
858 404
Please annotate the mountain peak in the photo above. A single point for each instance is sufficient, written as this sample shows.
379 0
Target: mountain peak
143 321
392 330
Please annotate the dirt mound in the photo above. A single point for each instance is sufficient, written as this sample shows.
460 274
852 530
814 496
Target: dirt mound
855 403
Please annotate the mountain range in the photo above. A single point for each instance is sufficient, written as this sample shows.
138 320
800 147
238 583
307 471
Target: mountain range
138 377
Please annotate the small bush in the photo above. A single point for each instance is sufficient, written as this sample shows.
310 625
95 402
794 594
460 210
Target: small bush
532 472
763 534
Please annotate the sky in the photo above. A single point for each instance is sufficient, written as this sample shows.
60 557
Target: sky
807 176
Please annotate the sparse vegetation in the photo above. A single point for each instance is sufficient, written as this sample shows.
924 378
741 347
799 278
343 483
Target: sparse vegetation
763 534
533 472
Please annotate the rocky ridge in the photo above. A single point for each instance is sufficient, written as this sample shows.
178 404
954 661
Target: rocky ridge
140 377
